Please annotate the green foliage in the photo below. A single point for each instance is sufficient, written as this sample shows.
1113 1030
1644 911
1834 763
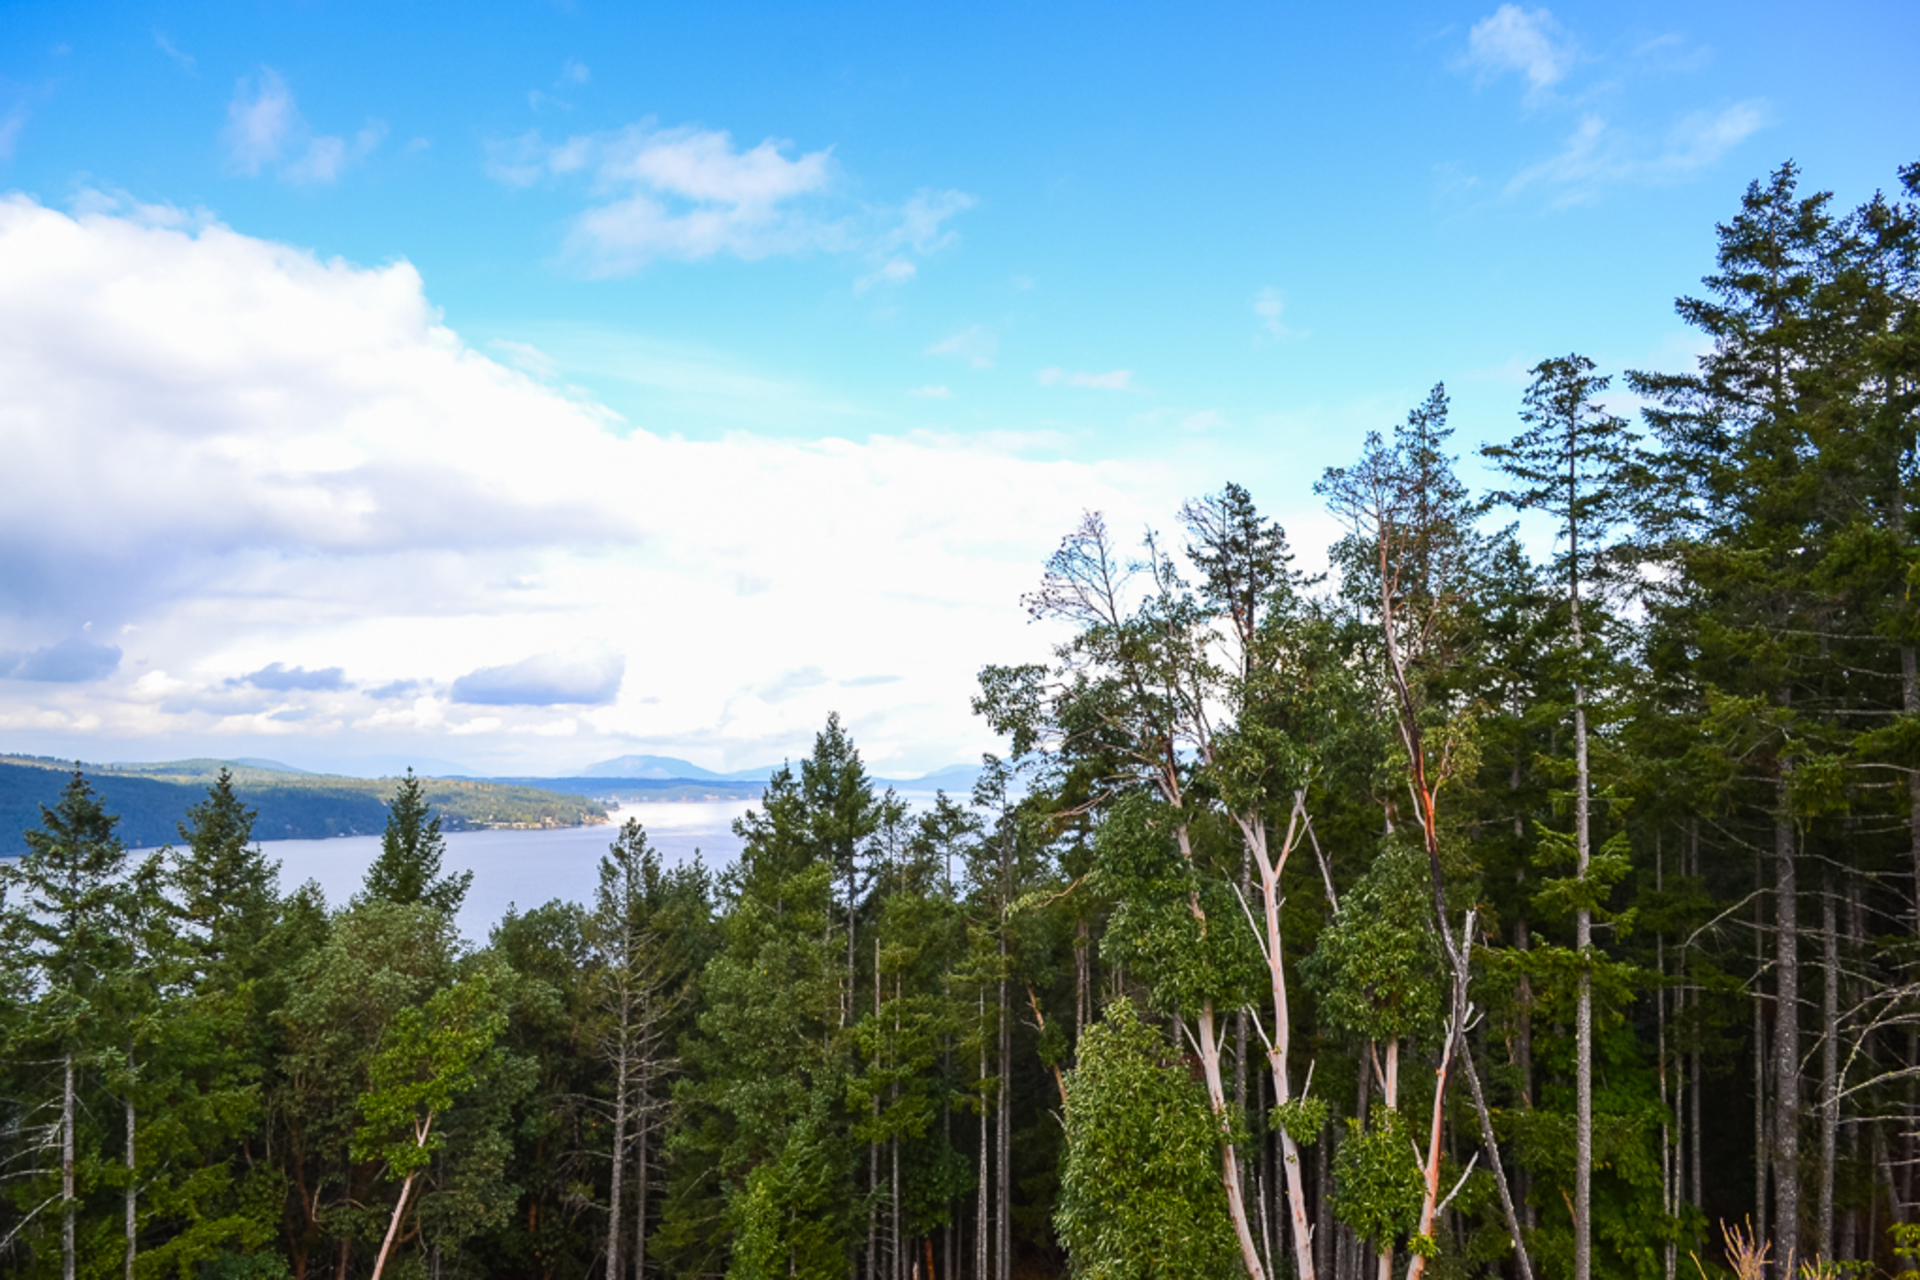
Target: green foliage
408 868
1301 1119
1378 968
1140 1192
1376 1178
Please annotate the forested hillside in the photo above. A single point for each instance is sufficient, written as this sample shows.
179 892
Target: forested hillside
151 800
1459 912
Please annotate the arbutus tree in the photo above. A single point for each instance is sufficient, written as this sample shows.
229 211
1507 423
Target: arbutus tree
1410 549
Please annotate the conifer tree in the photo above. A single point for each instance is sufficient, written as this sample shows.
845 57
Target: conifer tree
67 914
411 848
1575 462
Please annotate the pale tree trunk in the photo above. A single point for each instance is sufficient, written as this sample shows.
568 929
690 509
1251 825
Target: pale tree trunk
1208 1045
1423 792
1786 1034
68 1255
1761 1147
1693 1060
1829 1067
420 1133
133 1189
1389 1098
1910 701
1003 1136
982 1218
622 1073
1454 1042
1669 1174
643 1179
1583 1010
1253 830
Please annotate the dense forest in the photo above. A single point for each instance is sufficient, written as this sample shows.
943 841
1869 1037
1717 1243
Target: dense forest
1454 912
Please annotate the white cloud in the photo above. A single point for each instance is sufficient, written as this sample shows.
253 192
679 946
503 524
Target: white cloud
1115 380
898 271
686 193
259 118
976 344
544 680
1596 156
172 51
1527 41
932 392
10 126
275 468
266 130
1699 139
573 71
1269 305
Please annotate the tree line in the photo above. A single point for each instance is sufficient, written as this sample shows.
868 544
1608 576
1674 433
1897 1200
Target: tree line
1453 912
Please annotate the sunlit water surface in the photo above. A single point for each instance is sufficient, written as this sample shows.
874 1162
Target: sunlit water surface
522 868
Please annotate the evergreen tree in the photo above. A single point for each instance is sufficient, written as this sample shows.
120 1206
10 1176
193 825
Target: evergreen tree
1575 462
408 868
67 921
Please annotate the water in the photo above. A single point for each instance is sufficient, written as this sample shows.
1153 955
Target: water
521 868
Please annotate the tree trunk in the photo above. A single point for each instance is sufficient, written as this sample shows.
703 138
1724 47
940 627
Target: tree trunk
983 1219
621 1089
68 1257
1254 840
1082 982
1491 1144
644 1180
1390 1098
1208 1043
1667 1171
1583 1010
1761 1147
393 1227
399 1208
133 1190
1453 1042
1786 1034
1003 1145
1829 1067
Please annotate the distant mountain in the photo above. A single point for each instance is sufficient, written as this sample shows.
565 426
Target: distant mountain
669 767
645 790
956 779
152 799
267 766
198 768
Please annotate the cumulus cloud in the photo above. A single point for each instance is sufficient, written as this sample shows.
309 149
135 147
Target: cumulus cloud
1596 155
687 193
976 344
1530 42
543 681
265 130
239 451
282 678
71 661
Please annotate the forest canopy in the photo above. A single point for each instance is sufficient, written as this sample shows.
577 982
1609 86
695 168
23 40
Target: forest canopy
1456 912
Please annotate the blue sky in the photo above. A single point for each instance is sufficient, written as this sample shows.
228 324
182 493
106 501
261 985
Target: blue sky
745 362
